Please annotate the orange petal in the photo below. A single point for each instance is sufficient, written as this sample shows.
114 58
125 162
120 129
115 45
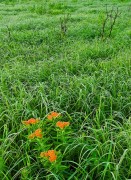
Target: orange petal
66 123
52 158
55 114
38 131
31 136
39 135
33 121
25 122
49 117
52 155
44 154
50 152
61 124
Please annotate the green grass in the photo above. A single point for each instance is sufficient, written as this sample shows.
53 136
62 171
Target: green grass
78 74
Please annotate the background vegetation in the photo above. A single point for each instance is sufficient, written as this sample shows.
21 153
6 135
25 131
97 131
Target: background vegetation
54 58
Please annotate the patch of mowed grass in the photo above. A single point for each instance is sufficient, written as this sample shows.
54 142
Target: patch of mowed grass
80 75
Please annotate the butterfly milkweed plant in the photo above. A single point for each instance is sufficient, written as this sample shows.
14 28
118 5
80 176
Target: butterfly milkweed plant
48 140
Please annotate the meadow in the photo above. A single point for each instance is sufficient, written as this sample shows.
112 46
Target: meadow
65 89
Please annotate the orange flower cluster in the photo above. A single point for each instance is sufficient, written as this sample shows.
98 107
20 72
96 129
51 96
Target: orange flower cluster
37 133
50 154
53 115
30 121
62 125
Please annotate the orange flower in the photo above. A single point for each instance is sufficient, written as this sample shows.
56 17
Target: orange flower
52 158
30 121
53 115
31 136
43 154
25 122
37 133
49 117
62 125
50 154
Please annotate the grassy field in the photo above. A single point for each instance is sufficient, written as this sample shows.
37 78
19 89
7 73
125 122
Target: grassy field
54 57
